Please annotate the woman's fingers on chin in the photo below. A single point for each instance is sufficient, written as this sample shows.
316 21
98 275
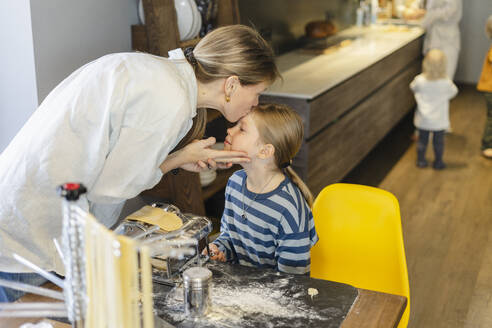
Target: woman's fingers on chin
226 153
232 160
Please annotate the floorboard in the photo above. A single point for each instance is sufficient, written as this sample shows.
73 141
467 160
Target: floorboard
446 217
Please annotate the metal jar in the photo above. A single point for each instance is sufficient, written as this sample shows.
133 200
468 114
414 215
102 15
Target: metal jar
196 282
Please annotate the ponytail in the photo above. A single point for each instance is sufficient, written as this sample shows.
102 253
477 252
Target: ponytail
300 184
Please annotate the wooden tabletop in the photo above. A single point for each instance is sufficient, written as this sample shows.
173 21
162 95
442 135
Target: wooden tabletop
371 309
375 309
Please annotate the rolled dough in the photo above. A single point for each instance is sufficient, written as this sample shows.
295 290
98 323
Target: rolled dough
157 216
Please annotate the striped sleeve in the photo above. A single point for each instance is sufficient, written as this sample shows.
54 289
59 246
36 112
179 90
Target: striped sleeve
293 250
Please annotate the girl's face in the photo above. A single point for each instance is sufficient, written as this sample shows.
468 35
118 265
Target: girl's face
244 136
242 100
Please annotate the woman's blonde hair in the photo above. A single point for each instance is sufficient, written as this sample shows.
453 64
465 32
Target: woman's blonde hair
488 27
434 65
233 50
282 127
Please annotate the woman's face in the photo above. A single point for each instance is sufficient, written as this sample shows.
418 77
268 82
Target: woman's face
244 136
242 100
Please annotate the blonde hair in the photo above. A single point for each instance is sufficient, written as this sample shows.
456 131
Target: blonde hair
282 127
434 65
488 27
233 50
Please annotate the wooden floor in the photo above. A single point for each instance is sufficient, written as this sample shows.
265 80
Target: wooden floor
446 218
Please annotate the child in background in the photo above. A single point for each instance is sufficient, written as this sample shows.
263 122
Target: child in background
433 90
267 220
485 85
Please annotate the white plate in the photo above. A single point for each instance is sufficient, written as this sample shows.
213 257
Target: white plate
197 20
207 177
141 15
184 13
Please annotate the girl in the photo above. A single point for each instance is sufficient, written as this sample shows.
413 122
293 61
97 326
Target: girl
267 220
433 90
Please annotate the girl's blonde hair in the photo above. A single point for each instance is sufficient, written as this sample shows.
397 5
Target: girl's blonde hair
434 65
233 50
282 127
488 27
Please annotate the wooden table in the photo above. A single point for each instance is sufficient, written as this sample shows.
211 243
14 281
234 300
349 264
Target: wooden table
375 309
371 309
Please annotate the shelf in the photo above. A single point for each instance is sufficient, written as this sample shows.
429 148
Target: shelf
161 34
219 183
189 43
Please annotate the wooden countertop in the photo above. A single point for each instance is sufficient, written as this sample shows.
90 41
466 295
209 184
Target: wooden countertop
307 75
374 309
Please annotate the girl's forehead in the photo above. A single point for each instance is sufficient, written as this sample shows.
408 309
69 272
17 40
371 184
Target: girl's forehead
247 119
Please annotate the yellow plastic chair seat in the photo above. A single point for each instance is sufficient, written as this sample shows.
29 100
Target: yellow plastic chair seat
360 240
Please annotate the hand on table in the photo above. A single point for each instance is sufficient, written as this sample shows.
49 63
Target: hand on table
215 253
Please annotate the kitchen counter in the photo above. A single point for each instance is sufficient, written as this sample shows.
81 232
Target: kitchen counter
349 95
307 76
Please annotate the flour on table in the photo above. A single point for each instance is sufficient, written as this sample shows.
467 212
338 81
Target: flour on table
230 305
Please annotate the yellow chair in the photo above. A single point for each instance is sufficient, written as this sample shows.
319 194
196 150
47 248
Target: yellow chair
360 240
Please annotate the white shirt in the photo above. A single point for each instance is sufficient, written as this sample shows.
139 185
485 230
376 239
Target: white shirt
109 125
441 22
432 97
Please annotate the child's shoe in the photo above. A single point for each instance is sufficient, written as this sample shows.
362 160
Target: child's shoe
439 165
422 163
487 153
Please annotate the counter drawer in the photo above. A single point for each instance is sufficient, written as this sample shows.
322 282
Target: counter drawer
339 148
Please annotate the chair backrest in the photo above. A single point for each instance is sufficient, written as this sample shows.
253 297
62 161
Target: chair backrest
360 240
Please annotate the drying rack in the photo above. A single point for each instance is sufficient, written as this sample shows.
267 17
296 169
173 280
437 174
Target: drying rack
99 264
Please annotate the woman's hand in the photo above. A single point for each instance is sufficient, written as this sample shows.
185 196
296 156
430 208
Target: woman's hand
215 253
198 156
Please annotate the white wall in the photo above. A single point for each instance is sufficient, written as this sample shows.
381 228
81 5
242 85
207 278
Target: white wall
70 33
18 95
474 43
49 39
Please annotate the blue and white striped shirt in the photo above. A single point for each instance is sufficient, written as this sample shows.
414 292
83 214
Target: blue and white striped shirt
278 231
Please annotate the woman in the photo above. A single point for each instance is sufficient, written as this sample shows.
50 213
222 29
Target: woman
117 125
441 20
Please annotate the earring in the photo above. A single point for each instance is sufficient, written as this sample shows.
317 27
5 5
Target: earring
227 98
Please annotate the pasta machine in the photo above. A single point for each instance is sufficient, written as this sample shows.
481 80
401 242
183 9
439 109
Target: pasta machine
166 269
